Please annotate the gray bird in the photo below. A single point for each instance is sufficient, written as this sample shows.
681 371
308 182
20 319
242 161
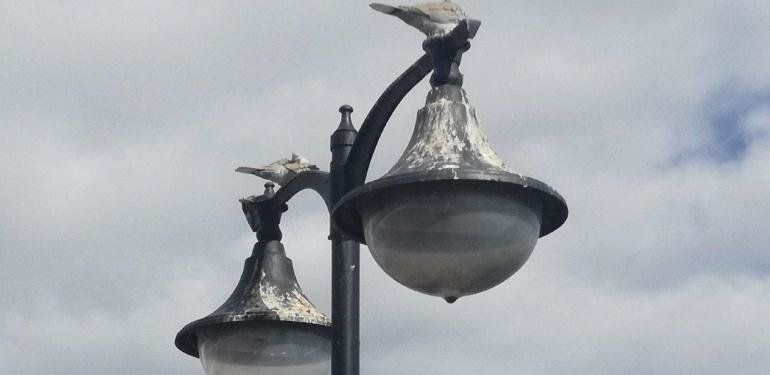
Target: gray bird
281 171
434 19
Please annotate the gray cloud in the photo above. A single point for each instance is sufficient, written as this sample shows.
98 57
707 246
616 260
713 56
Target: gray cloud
121 125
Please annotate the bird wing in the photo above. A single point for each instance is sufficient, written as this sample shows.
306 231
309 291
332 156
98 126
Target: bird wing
442 12
298 167
410 15
280 177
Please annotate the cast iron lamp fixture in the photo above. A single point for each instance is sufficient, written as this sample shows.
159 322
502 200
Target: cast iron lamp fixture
267 326
447 220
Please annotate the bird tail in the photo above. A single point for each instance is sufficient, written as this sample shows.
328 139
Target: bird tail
387 9
249 170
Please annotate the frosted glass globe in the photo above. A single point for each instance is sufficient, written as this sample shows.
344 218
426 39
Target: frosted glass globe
451 240
263 349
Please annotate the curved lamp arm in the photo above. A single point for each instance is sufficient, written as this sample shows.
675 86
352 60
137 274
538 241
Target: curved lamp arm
363 149
317 181
440 52
443 54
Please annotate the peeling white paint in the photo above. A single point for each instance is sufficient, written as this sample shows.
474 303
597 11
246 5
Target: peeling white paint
447 136
290 305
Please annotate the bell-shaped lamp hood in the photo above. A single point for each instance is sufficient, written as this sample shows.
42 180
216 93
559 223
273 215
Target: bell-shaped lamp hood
449 219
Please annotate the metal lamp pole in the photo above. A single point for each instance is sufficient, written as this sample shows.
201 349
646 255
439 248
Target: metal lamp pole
345 260
347 171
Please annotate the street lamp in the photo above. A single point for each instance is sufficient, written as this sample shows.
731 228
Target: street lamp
267 326
448 219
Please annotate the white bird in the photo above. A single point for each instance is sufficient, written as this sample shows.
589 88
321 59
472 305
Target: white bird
281 171
434 19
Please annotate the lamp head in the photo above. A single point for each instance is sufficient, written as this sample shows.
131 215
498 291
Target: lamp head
449 219
267 325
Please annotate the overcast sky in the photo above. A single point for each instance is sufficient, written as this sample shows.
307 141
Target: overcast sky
121 123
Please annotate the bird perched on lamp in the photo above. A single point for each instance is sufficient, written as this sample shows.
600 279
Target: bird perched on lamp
433 19
281 171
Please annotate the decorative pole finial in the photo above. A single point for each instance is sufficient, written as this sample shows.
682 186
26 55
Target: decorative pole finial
346 133
345 122
269 190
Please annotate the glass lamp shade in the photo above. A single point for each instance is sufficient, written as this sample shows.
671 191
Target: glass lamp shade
264 349
451 240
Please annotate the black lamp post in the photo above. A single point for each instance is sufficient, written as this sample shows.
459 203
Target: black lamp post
447 220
